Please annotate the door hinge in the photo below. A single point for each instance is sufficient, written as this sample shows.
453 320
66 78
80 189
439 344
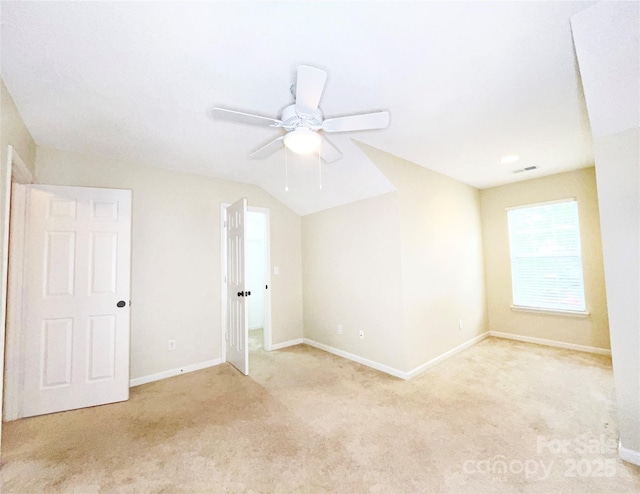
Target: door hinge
225 223
225 278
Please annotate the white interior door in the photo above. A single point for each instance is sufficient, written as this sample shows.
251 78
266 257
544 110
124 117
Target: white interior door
237 331
77 276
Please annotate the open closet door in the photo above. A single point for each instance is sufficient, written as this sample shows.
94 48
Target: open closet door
237 330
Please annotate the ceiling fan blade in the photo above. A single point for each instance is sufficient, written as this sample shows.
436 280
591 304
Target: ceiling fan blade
238 116
269 149
366 121
309 86
328 152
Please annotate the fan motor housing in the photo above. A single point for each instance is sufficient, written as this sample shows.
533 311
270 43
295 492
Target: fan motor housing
291 120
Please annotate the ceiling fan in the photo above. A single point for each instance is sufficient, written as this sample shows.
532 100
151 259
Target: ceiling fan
303 120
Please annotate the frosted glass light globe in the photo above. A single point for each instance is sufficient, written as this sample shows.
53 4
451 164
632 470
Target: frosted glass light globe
302 141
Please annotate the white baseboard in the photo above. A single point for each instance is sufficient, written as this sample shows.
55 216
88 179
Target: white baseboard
356 358
390 370
427 365
173 372
629 455
559 344
626 454
285 344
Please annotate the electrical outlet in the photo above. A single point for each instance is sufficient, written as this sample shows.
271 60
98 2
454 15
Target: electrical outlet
460 324
339 328
361 335
172 345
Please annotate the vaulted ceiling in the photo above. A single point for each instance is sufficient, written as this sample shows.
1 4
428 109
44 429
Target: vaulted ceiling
466 84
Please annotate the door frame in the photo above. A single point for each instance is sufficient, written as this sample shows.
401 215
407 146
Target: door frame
18 175
267 335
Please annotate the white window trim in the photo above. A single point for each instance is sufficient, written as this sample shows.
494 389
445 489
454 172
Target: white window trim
543 203
552 312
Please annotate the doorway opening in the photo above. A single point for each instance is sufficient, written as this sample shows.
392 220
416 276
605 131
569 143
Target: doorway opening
258 279
68 330
18 175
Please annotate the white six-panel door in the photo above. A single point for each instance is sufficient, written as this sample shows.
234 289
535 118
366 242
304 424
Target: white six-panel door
237 330
77 288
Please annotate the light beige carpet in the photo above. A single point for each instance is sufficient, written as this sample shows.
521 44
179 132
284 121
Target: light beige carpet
491 419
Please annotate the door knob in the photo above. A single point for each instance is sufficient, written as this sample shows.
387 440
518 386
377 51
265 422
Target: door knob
248 293
240 294
121 304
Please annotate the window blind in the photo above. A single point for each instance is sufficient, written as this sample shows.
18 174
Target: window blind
546 262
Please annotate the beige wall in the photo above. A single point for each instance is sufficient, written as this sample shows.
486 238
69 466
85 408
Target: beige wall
618 172
352 276
405 267
14 132
175 283
442 263
581 184
607 41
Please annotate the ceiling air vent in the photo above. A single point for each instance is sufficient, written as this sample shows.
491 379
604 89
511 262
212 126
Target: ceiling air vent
526 169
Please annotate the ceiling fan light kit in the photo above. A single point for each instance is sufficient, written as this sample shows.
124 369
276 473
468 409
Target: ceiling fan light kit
302 141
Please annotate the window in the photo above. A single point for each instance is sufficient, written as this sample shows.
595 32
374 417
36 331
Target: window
546 264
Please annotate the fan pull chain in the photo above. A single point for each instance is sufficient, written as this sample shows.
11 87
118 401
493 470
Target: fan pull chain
286 170
320 167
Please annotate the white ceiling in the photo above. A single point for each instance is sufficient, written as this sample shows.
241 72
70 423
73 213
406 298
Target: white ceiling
466 83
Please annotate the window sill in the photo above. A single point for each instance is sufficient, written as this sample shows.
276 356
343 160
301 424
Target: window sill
551 312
